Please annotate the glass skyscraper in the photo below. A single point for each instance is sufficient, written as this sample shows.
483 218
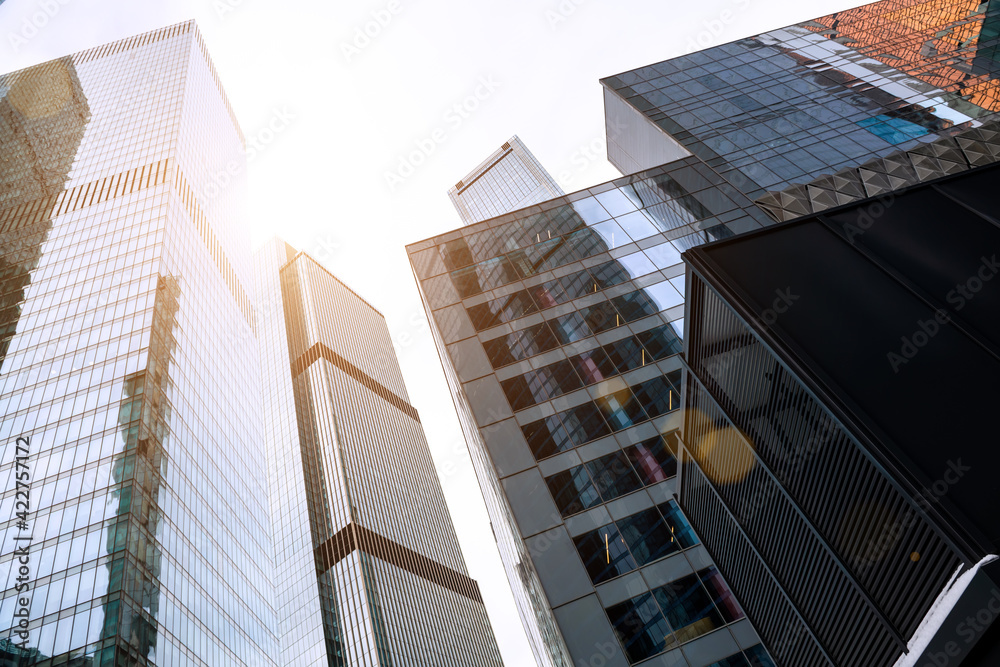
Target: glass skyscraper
509 179
787 106
559 326
222 464
129 365
374 574
559 330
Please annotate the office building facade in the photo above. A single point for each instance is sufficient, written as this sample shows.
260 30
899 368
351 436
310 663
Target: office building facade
802 428
520 303
129 365
373 567
785 107
559 327
509 179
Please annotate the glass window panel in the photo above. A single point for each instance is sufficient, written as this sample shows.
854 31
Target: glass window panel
545 437
657 396
626 354
611 273
683 534
601 317
611 234
678 327
640 627
571 328
591 210
688 608
721 595
652 460
664 295
620 409
616 202
584 423
613 476
635 305
663 255
484 316
647 536
556 379
637 264
516 305
637 225
758 657
604 553
576 285
456 254
573 491
594 366
660 342
518 393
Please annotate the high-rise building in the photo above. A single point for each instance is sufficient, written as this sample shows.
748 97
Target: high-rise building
558 327
853 418
374 573
790 105
180 514
129 366
509 179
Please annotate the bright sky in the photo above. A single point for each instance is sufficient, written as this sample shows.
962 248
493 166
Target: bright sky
354 107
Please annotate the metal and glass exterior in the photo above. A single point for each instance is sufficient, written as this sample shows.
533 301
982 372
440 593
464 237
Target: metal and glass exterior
787 106
509 179
128 363
373 567
551 320
559 331
836 511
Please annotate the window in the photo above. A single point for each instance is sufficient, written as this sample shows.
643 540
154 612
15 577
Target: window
636 540
688 608
652 460
589 421
647 536
573 491
721 595
678 525
613 476
604 553
640 627
618 474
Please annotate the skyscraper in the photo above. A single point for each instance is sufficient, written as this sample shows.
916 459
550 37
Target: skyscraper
509 179
374 570
804 411
787 106
559 327
559 330
125 289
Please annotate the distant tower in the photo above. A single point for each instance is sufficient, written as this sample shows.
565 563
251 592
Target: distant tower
371 561
509 179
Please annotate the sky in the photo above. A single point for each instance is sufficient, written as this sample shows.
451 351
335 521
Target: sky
359 115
